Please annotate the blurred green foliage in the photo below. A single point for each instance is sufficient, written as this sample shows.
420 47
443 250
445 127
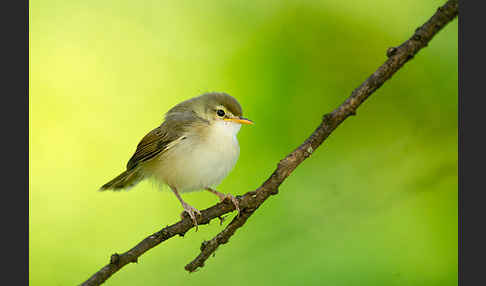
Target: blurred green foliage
375 205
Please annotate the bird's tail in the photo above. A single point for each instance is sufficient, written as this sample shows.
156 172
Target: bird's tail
125 180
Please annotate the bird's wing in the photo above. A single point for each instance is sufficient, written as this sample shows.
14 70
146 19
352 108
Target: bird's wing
164 137
153 143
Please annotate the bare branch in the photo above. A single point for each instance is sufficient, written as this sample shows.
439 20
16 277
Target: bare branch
249 202
397 58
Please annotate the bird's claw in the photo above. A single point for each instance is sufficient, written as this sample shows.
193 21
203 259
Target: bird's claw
234 201
191 211
222 197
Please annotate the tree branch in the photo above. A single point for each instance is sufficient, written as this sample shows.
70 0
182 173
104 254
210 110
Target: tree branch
397 57
249 202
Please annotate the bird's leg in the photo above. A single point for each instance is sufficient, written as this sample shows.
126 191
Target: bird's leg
187 208
222 197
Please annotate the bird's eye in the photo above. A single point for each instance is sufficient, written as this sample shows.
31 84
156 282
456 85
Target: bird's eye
220 112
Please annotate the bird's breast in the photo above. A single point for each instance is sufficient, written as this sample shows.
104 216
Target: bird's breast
197 162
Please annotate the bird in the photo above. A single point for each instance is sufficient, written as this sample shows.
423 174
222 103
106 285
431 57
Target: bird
194 148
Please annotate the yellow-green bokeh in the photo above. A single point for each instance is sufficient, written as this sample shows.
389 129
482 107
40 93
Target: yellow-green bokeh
375 205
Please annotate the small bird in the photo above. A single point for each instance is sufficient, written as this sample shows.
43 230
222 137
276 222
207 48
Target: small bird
193 149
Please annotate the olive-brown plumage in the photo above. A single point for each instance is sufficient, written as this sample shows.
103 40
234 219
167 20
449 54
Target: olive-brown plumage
194 148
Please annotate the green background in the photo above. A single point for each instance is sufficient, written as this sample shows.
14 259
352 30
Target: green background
375 205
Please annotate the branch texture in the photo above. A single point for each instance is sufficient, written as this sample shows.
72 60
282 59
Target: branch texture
249 202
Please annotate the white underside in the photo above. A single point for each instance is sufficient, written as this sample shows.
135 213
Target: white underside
195 163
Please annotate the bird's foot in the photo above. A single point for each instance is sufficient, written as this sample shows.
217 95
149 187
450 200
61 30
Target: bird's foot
191 211
233 200
222 197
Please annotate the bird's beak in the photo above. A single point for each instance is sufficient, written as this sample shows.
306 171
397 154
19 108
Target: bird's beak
240 120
